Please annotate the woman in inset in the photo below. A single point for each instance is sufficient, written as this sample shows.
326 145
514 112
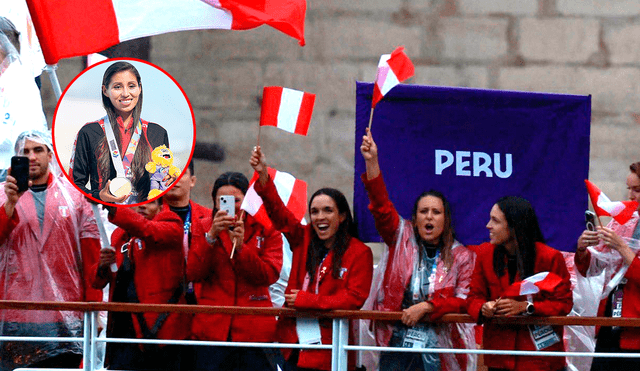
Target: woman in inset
238 277
424 273
516 252
116 148
330 269
612 253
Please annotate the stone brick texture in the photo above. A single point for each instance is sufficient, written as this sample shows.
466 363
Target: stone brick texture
561 46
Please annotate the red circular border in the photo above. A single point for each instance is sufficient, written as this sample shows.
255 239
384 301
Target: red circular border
53 125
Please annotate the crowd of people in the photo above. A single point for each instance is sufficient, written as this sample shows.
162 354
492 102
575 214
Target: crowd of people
175 251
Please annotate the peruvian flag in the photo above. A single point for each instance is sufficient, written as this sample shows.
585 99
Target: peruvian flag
543 281
69 28
393 69
621 211
292 192
287 109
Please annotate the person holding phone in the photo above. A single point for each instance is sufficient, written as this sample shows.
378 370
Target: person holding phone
330 269
111 153
49 244
515 252
622 296
235 266
436 284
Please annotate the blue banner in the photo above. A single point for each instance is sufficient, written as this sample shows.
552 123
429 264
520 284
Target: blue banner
476 146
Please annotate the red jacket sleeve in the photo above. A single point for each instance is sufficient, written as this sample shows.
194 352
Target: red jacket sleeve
582 262
90 250
7 225
261 266
353 293
633 273
200 257
384 213
478 289
164 231
454 299
282 219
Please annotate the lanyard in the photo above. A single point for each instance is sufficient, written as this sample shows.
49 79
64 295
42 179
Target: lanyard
418 278
319 274
185 237
122 165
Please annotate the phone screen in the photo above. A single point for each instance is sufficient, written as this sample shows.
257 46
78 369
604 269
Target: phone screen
20 171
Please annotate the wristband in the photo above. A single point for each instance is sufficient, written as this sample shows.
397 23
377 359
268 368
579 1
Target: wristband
209 239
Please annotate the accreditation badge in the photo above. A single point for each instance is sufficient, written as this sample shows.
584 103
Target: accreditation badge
543 336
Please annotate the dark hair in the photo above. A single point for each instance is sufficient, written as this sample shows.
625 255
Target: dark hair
191 167
230 178
9 29
143 151
524 227
448 233
346 230
635 168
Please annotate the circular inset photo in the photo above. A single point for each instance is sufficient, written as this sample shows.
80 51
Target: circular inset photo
113 145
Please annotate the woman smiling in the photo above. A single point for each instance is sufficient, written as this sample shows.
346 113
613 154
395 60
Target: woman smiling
330 269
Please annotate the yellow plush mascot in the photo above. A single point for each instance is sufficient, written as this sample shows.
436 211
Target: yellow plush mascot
161 168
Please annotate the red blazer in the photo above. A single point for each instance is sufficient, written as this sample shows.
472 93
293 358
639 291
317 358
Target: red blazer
159 264
242 281
347 292
630 336
486 286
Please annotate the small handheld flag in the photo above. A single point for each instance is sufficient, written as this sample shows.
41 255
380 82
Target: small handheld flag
287 109
393 69
621 211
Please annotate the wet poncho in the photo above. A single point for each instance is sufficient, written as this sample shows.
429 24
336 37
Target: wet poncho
52 262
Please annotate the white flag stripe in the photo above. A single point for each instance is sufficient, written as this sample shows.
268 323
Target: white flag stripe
290 103
389 82
284 184
252 202
613 208
152 17
528 284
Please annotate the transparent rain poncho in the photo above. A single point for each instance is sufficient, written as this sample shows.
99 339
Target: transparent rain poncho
20 102
48 262
605 272
387 291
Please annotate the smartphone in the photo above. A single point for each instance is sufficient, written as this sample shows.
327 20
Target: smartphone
228 204
590 220
20 171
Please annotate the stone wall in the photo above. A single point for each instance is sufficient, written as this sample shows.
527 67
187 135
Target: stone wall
562 46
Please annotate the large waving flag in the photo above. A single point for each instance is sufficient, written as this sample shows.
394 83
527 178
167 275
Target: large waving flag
287 109
393 69
72 28
621 211
292 192
540 282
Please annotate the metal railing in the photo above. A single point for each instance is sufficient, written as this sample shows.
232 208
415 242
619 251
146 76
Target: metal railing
339 347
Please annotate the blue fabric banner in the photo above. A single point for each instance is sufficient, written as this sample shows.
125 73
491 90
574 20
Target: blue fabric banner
476 146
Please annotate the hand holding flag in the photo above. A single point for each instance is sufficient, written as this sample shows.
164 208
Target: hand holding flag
393 69
292 192
621 211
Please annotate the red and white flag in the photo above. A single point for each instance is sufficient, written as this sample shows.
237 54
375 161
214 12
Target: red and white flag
292 192
287 109
621 211
393 69
72 28
543 281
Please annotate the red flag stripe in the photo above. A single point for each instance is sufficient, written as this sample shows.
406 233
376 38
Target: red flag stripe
63 27
271 97
297 201
304 117
400 64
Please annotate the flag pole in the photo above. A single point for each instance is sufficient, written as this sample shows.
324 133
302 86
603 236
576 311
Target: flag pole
235 242
371 118
594 209
53 77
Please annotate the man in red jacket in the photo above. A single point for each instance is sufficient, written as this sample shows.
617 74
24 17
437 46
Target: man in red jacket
151 271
